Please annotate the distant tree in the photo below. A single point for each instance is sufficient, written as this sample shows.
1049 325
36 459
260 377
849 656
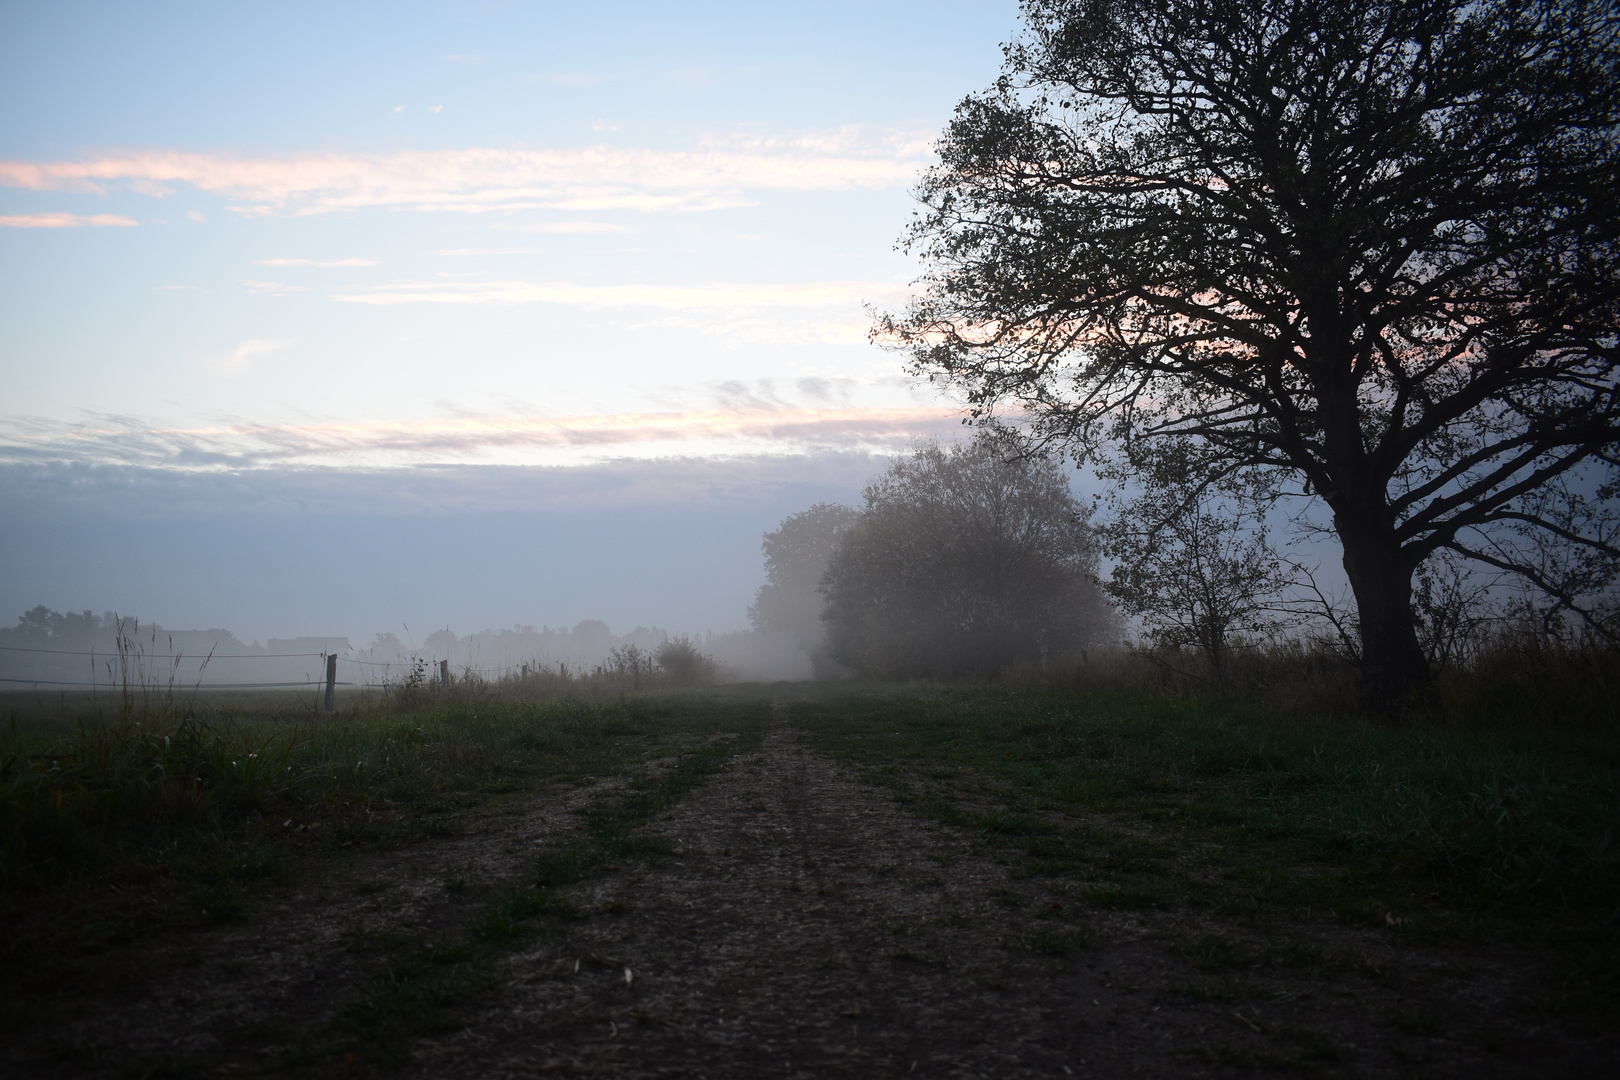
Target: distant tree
1372 247
42 622
442 643
1192 563
796 556
964 560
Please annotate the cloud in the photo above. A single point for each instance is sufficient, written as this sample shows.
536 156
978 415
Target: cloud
54 492
238 359
196 215
316 262
754 429
271 288
65 221
720 172
435 108
465 58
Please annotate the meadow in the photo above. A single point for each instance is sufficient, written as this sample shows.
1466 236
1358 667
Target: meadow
129 829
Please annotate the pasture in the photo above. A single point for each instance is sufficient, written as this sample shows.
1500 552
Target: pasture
802 879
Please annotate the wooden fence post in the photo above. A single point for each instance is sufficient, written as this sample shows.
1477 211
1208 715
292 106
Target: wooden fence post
444 674
331 682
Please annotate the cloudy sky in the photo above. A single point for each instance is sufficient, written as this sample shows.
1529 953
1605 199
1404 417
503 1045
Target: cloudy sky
325 318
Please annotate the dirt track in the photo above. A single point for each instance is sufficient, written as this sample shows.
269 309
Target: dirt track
809 927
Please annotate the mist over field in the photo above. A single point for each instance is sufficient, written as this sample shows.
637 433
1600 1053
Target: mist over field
1011 538
486 566
458 320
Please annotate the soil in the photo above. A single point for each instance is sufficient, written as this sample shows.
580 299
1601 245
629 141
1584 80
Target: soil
807 926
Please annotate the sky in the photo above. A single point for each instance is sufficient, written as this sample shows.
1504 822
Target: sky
335 318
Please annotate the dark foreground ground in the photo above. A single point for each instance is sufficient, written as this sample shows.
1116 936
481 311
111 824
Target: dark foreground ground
792 920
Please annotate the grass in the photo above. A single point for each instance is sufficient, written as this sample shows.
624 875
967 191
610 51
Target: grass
421 984
1153 802
116 828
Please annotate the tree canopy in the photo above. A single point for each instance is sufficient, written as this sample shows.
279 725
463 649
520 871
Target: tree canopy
1368 249
796 555
964 560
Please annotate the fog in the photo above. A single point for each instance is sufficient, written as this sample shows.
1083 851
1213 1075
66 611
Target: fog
487 567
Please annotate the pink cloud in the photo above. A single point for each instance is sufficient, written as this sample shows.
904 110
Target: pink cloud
718 173
65 221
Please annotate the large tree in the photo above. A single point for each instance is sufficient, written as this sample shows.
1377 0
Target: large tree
965 560
1371 247
796 555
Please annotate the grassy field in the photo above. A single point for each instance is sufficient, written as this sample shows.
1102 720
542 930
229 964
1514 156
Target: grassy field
118 828
1148 802
122 833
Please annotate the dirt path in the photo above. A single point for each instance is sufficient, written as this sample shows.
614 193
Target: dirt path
810 928
806 926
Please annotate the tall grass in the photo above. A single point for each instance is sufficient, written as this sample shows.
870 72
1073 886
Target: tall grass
1516 684
629 670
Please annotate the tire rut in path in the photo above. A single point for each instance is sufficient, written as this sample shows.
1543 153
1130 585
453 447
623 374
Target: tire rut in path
805 927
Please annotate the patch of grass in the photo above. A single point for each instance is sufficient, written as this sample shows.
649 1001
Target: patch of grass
1221 989
418 991
509 920
1210 952
1177 803
416 994
1054 941
143 822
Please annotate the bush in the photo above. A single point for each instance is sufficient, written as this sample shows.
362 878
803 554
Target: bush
683 663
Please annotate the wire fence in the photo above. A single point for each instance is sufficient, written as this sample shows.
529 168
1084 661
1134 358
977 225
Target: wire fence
112 670
125 666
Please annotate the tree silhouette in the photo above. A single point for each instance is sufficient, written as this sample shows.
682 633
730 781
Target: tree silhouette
964 560
1370 247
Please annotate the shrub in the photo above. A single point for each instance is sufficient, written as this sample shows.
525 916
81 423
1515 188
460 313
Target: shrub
684 663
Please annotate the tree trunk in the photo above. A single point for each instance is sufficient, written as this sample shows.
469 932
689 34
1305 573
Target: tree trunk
1394 672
